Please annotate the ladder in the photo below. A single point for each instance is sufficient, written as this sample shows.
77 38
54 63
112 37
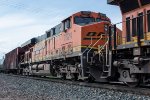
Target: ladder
107 65
81 57
106 55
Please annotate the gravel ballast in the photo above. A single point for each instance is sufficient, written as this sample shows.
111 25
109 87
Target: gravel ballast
15 88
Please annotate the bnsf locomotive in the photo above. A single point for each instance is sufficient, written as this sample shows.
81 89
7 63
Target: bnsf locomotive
70 50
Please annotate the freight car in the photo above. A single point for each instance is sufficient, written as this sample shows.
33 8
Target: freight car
131 58
1 65
12 60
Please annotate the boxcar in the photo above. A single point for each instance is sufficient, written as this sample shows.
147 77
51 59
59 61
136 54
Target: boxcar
12 59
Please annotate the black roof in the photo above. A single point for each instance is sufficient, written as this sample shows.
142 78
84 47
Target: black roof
116 2
128 5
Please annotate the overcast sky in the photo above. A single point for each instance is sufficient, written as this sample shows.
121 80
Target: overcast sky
21 20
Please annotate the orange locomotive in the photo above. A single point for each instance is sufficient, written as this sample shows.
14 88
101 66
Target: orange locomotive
68 49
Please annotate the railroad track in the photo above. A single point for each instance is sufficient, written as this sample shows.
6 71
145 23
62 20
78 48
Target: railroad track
143 90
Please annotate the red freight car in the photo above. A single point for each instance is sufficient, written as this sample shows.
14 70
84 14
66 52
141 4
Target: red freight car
12 59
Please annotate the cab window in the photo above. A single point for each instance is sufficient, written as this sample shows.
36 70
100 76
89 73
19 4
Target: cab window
52 31
67 24
148 18
128 29
98 19
84 20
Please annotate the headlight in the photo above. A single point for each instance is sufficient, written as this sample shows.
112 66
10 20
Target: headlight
106 28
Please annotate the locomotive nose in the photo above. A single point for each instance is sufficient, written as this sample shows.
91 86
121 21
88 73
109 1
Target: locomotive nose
94 32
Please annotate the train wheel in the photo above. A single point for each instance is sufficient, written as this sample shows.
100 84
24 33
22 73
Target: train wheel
134 84
53 71
64 76
74 76
90 78
131 80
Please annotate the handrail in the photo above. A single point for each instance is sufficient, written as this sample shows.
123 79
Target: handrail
103 46
94 45
88 46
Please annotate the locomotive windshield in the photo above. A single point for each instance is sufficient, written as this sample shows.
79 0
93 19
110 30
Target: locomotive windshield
84 20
